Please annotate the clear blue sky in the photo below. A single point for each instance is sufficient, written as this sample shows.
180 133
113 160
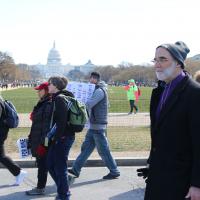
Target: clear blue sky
105 31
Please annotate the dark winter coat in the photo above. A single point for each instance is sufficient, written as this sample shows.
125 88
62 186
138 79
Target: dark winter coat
175 149
41 117
3 128
60 116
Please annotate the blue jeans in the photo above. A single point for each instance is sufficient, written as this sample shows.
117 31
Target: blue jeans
57 165
98 139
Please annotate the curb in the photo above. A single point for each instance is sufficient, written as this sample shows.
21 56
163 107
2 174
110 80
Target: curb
96 162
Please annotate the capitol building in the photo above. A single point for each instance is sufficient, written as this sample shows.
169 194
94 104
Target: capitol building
54 66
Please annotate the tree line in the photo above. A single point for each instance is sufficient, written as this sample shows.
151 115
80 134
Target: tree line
123 72
10 72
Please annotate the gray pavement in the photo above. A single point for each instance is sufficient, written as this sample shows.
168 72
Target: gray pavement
114 119
90 186
92 162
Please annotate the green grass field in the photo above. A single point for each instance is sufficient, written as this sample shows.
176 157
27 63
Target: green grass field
120 139
119 103
25 98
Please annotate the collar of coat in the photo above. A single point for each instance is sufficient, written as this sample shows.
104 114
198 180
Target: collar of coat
156 93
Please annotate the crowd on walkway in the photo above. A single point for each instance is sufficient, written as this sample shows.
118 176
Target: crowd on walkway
172 170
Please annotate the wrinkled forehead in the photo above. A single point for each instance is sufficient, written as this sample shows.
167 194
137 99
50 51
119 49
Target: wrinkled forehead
162 53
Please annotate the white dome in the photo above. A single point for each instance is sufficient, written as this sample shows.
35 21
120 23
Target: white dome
53 56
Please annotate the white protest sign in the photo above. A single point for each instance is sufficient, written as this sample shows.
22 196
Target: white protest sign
81 91
22 147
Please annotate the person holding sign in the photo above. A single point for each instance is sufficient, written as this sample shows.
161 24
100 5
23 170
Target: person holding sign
97 107
41 117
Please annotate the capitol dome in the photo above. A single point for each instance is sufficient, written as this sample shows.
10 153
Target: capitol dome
53 56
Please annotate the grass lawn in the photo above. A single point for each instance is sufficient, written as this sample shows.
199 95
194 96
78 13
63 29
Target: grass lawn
25 98
119 103
120 139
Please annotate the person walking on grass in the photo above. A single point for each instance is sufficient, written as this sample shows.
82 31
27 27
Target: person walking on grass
4 159
41 117
97 107
132 90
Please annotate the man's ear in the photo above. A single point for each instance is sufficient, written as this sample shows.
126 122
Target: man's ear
178 64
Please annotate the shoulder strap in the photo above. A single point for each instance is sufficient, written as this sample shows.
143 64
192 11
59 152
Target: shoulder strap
52 115
3 109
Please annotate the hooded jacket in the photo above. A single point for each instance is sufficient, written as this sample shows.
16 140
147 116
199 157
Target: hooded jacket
41 117
60 115
131 89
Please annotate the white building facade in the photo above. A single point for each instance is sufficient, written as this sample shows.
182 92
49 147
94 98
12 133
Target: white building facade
54 66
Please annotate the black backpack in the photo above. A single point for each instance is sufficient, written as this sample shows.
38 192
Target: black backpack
10 116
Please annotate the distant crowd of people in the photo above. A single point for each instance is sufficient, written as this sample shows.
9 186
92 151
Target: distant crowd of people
17 84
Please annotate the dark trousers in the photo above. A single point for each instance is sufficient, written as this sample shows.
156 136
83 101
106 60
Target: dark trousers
57 165
42 171
7 161
132 105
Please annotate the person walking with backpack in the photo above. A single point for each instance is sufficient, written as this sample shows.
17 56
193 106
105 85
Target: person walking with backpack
61 142
4 159
97 107
41 117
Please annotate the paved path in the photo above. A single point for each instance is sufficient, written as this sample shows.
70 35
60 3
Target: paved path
114 119
90 186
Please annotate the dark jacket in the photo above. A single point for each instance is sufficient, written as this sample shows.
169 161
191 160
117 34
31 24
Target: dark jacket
175 149
41 117
60 116
3 128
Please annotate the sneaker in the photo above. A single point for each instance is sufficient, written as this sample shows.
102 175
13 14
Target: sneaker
36 191
71 171
20 177
58 198
71 180
111 176
130 113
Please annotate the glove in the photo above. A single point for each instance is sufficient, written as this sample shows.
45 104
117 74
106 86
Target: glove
41 150
143 172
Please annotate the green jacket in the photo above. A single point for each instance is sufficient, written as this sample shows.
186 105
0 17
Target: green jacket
131 92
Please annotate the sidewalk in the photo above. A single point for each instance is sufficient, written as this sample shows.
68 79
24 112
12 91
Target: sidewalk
92 162
114 119
90 186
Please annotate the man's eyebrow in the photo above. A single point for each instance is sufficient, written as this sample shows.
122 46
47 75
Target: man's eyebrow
162 57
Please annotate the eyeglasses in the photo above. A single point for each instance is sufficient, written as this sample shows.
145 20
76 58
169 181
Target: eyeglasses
160 60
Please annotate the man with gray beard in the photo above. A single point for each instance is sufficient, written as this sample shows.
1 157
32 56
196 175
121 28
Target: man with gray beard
173 171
